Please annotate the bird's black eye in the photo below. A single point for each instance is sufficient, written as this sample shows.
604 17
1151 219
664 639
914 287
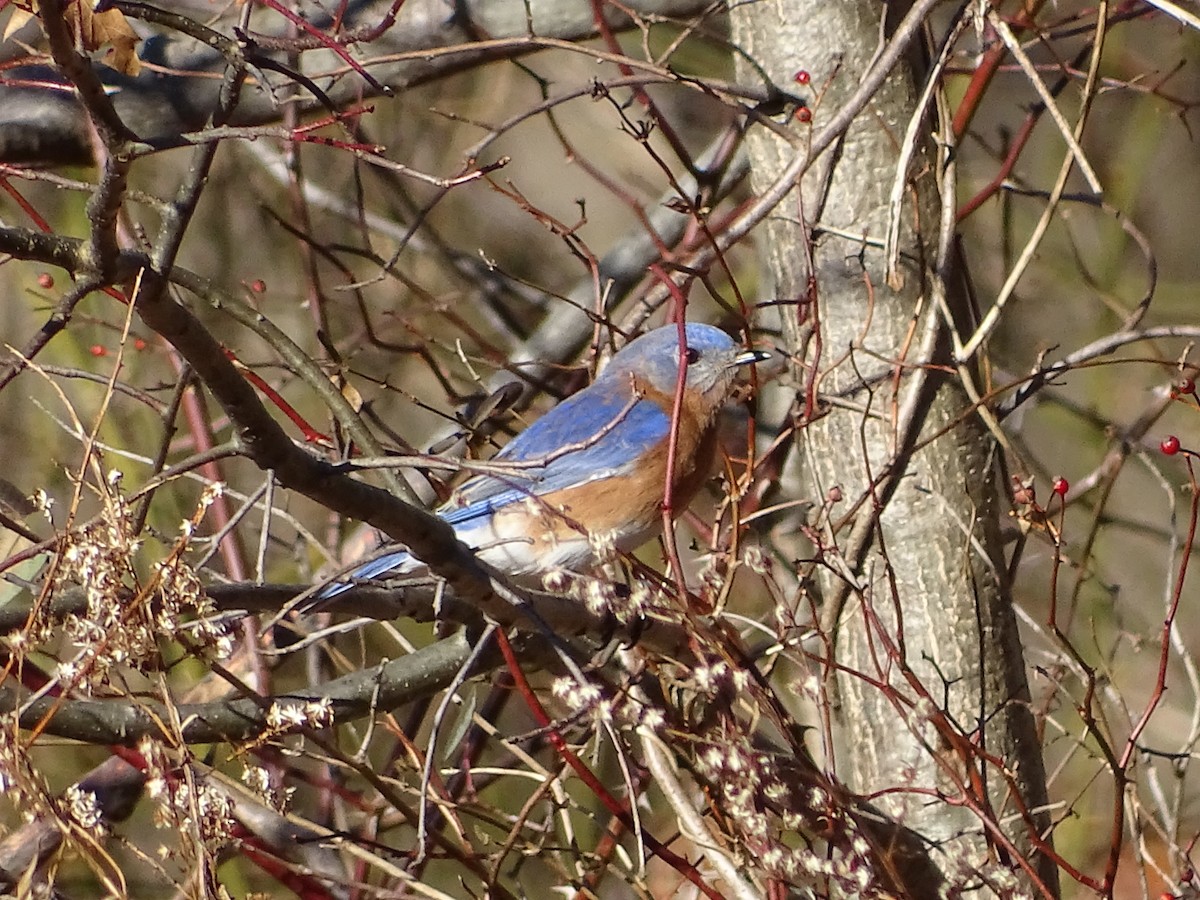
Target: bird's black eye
693 356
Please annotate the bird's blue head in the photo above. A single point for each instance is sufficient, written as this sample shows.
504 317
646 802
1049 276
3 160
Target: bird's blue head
712 359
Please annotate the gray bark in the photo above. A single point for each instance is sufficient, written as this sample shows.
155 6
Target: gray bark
924 563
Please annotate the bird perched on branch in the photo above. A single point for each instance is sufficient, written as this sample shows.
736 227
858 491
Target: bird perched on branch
593 471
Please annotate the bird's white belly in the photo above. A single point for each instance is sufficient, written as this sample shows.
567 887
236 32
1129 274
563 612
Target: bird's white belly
521 544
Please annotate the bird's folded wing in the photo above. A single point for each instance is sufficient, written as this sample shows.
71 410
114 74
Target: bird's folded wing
590 436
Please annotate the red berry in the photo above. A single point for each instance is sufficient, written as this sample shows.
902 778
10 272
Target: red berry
803 114
139 344
1187 386
45 280
802 77
1169 445
98 350
258 286
1061 486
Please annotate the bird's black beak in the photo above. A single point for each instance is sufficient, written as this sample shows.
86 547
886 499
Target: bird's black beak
751 356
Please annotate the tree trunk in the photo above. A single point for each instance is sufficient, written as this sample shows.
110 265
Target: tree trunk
931 671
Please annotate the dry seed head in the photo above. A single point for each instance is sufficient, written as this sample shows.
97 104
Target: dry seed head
598 596
556 581
756 561
83 809
603 545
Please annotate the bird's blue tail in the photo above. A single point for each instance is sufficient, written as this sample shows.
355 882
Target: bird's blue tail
396 561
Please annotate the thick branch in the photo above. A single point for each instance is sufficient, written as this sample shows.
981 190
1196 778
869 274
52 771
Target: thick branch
260 437
413 677
48 126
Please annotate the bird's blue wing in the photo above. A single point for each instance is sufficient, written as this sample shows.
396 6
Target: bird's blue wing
600 432
597 433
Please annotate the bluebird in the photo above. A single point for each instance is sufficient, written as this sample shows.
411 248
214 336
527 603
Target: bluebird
593 470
